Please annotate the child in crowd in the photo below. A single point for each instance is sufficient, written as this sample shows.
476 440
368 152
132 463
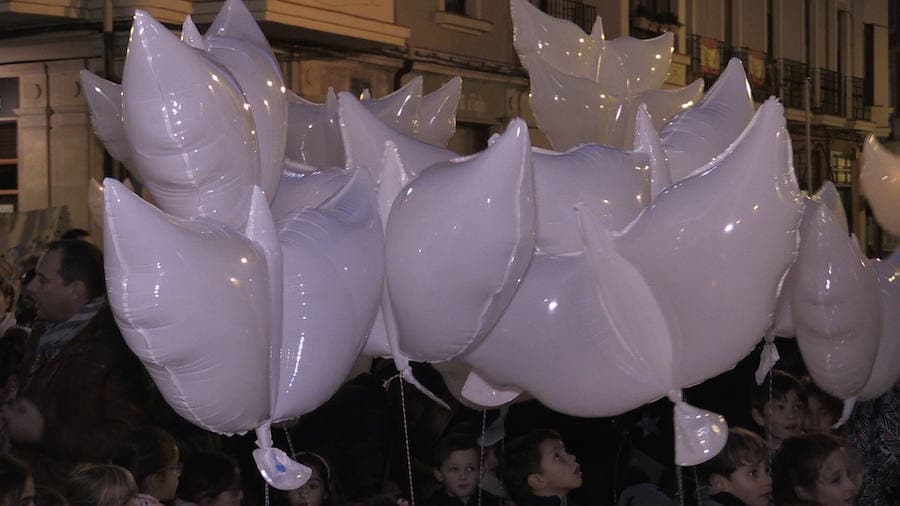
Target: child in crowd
16 483
101 485
814 469
822 410
210 479
538 471
457 466
321 489
739 474
151 456
779 408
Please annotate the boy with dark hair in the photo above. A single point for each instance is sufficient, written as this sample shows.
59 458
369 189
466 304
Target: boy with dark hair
779 408
457 460
538 471
739 474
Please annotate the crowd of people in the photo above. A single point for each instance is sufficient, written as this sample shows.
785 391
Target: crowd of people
82 424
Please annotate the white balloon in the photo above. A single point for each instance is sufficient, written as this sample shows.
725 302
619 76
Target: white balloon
879 176
365 136
835 304
235 40
313 132
647 143
192 139
208 355
334 273
104 100
726 237
455 258
699 135
437 114
307 189
400 109
608 181
886 369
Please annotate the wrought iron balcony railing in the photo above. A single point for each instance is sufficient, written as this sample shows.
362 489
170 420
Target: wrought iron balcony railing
577 12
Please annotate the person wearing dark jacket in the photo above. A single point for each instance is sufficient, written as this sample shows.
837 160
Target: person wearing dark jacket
82 390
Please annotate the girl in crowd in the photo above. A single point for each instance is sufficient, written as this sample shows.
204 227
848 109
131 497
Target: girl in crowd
16 483
101 485
210 479
151 456
814 469
321 488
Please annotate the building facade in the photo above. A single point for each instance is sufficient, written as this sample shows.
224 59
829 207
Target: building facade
837 49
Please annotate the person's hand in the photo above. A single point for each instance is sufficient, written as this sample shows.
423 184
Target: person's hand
24 420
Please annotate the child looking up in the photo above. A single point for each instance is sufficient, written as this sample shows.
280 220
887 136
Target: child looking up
151 456
739 474
814 469
538 471
779 410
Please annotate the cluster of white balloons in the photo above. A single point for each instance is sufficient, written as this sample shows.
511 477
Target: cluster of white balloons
288 237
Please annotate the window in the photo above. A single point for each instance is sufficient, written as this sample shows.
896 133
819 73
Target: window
841 169
9 163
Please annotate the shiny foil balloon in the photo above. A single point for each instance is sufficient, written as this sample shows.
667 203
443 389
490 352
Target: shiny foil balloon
699 135
236 42
208 355
835 304
314 133
334 273
608 181
879 176
587 89
104 100
192 138
459 239
726 237
365 136
437 114
309 188
400 109
886 369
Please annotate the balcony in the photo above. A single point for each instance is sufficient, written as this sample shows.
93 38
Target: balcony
861 110
831 93
709 58
577 12
792 79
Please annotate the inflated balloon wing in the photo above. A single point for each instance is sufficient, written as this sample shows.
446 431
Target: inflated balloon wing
879 176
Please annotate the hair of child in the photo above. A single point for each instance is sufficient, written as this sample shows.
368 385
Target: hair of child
206 475
778 386
100 485
146 452
522 458
797 464
743 448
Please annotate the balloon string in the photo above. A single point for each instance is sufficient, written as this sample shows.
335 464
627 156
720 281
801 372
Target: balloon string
679 479
481 453
266 492
412 492
768 431
287 435
697 486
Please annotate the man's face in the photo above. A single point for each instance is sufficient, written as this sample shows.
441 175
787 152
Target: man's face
749 483
559 468
459 473
55 301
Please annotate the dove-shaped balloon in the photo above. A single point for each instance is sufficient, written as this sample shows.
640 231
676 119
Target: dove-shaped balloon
886 369
400 109
437 114
455 258
610 182
161 271
835 304
104 100
313 132
695 137
334 273
308 188
879 176
729 252
598 85
235 41
364 137
170 96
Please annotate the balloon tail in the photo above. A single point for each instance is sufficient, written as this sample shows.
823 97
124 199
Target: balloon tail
279 470
767 360
845 415
699 434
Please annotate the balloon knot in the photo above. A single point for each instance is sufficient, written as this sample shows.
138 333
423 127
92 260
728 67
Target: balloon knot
675 396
